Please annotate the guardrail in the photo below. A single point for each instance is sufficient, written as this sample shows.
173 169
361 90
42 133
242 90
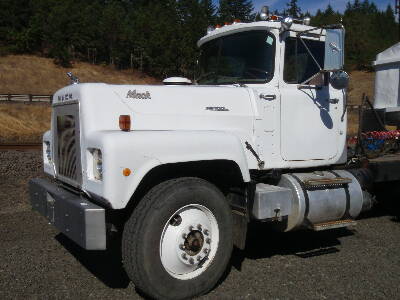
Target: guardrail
25 98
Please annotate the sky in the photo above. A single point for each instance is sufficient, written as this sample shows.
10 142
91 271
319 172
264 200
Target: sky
313 5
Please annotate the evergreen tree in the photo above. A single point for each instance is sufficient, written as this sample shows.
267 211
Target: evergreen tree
293 9
161 36
230 10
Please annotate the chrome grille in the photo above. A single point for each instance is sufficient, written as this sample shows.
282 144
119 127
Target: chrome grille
66 149
66 144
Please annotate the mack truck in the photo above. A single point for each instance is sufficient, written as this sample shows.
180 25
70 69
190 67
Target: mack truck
179 170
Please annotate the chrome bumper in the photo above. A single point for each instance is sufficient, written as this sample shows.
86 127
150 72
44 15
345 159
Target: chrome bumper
75 216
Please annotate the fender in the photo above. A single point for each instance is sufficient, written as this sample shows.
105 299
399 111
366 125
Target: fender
141 151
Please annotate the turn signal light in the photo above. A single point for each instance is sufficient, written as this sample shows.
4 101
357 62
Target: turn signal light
126 172
125 122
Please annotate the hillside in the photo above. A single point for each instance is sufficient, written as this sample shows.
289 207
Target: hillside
361 82
36 75
28 74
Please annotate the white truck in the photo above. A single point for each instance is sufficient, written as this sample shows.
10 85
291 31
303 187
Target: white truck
180 169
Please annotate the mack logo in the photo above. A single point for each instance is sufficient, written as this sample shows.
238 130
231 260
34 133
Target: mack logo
65 97
135 95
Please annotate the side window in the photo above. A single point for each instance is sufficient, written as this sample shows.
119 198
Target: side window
299 65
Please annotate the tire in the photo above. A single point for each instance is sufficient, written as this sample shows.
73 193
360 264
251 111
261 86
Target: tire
153 245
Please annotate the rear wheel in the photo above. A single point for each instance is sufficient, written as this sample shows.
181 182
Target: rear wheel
178 241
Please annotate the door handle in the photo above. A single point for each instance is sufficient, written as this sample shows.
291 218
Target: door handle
268 97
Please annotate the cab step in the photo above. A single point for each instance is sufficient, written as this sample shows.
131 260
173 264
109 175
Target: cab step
333 224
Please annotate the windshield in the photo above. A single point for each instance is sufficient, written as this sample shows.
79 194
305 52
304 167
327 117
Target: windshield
245 57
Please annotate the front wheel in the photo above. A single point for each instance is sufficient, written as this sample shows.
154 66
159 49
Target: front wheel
178 241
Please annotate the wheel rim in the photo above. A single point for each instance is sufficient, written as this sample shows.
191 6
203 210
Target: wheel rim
189 241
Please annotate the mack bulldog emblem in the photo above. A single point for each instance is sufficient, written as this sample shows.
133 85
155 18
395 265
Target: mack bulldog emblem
135 95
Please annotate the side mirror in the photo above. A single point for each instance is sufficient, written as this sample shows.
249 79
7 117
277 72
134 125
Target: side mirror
339 80
334 50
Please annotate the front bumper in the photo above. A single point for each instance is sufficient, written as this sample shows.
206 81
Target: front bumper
75 216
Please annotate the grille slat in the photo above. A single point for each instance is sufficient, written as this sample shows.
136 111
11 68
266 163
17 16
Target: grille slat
67 143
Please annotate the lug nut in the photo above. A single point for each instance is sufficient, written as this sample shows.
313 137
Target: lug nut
191 261
182 246
199 227
184 235
205 251
205 232
190 228
184 256
208 240
199 258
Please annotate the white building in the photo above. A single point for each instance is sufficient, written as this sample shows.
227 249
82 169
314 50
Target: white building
387 83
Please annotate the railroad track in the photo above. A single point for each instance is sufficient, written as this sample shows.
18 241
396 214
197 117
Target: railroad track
33 146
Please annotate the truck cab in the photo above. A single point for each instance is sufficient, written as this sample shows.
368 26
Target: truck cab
179 170
298 116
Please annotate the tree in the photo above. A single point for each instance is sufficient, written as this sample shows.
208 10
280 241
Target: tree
230 10
293 9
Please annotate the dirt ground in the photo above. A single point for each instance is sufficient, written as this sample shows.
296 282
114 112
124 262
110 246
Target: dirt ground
37 262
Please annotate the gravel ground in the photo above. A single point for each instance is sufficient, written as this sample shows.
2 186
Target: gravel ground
37 262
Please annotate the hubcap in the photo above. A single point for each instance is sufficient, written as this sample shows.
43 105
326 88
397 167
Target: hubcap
189 241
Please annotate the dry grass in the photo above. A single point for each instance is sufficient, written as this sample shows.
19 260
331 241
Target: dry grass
360 82
23 123
28 74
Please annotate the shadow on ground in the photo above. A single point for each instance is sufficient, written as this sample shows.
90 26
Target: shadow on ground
105 265
262 242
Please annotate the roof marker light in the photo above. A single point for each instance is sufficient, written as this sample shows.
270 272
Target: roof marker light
264 15
307 21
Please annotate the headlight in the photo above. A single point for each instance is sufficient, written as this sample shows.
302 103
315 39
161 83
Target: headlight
97 164
47 150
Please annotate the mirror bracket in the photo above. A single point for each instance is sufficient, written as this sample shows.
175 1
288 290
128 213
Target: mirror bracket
308 87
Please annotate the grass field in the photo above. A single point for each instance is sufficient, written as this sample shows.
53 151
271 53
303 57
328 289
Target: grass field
360 82
26 123
28 74
23 123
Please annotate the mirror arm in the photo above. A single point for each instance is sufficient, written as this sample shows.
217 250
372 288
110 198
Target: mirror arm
311 78
309 87
309 52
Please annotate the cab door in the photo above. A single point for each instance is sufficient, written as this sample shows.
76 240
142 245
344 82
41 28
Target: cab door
267 105
309 107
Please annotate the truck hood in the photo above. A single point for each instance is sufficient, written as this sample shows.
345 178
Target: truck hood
153 107
187 107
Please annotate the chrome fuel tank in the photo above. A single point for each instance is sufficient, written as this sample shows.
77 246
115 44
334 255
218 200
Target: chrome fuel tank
322 196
